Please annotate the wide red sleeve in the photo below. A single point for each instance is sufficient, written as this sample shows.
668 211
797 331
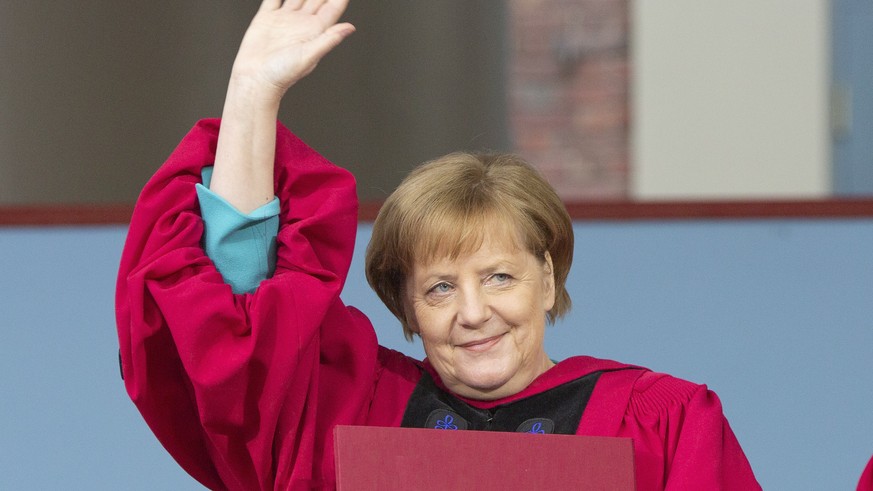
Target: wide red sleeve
682 439
234 385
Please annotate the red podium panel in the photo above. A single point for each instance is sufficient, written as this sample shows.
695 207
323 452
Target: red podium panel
372 458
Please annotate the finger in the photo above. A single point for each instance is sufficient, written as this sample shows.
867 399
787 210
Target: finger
331 10
340 4
311 6
292 4
270 5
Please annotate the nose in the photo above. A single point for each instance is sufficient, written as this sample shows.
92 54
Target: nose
474 308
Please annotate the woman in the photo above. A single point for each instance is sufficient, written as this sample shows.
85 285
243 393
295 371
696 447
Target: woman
470 253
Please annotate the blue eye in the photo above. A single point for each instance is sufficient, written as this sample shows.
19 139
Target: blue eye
501 277
440 288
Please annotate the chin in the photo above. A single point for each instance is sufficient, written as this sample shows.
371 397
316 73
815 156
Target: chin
486 382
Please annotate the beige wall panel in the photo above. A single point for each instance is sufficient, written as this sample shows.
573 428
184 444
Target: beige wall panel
730 99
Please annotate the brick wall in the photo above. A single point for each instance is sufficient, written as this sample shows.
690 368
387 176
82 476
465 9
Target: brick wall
568 93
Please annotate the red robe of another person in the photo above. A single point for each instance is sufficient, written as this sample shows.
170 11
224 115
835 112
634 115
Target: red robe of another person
866 481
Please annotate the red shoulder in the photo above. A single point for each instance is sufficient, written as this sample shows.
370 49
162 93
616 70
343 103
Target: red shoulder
654 392
398 375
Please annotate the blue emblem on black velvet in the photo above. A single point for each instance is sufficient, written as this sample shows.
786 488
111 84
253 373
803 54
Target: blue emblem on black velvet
446 423
537 426
443 419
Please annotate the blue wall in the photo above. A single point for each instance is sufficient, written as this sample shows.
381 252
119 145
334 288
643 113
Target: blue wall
773 315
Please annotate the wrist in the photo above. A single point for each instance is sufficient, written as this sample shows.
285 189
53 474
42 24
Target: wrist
247 93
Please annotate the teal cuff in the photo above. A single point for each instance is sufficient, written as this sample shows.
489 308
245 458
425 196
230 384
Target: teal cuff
242 246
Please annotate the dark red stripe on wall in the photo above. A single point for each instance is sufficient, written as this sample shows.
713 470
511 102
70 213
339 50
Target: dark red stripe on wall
688 210
41 215
37 215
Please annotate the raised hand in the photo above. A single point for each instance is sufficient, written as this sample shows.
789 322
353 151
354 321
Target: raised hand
283 44
286 40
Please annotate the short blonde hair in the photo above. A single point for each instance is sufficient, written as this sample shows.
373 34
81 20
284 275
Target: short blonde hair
445 207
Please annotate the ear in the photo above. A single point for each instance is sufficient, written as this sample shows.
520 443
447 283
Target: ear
548 282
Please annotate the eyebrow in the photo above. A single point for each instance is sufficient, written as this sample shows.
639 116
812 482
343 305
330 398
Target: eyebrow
501 262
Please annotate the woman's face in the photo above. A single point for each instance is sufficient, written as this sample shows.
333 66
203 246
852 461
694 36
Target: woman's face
482 318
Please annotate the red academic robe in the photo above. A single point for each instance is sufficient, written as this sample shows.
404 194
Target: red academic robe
245 390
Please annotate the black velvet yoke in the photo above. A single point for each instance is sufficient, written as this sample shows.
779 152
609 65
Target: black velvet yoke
557 410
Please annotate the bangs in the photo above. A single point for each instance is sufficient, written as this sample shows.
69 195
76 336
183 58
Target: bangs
455 233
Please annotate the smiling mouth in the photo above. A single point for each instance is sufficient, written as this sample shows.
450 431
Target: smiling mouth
481 344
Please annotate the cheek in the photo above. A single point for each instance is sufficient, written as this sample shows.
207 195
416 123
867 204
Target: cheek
516 316
529 314
429 323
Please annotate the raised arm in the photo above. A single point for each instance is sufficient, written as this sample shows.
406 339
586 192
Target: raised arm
231 384
283 44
